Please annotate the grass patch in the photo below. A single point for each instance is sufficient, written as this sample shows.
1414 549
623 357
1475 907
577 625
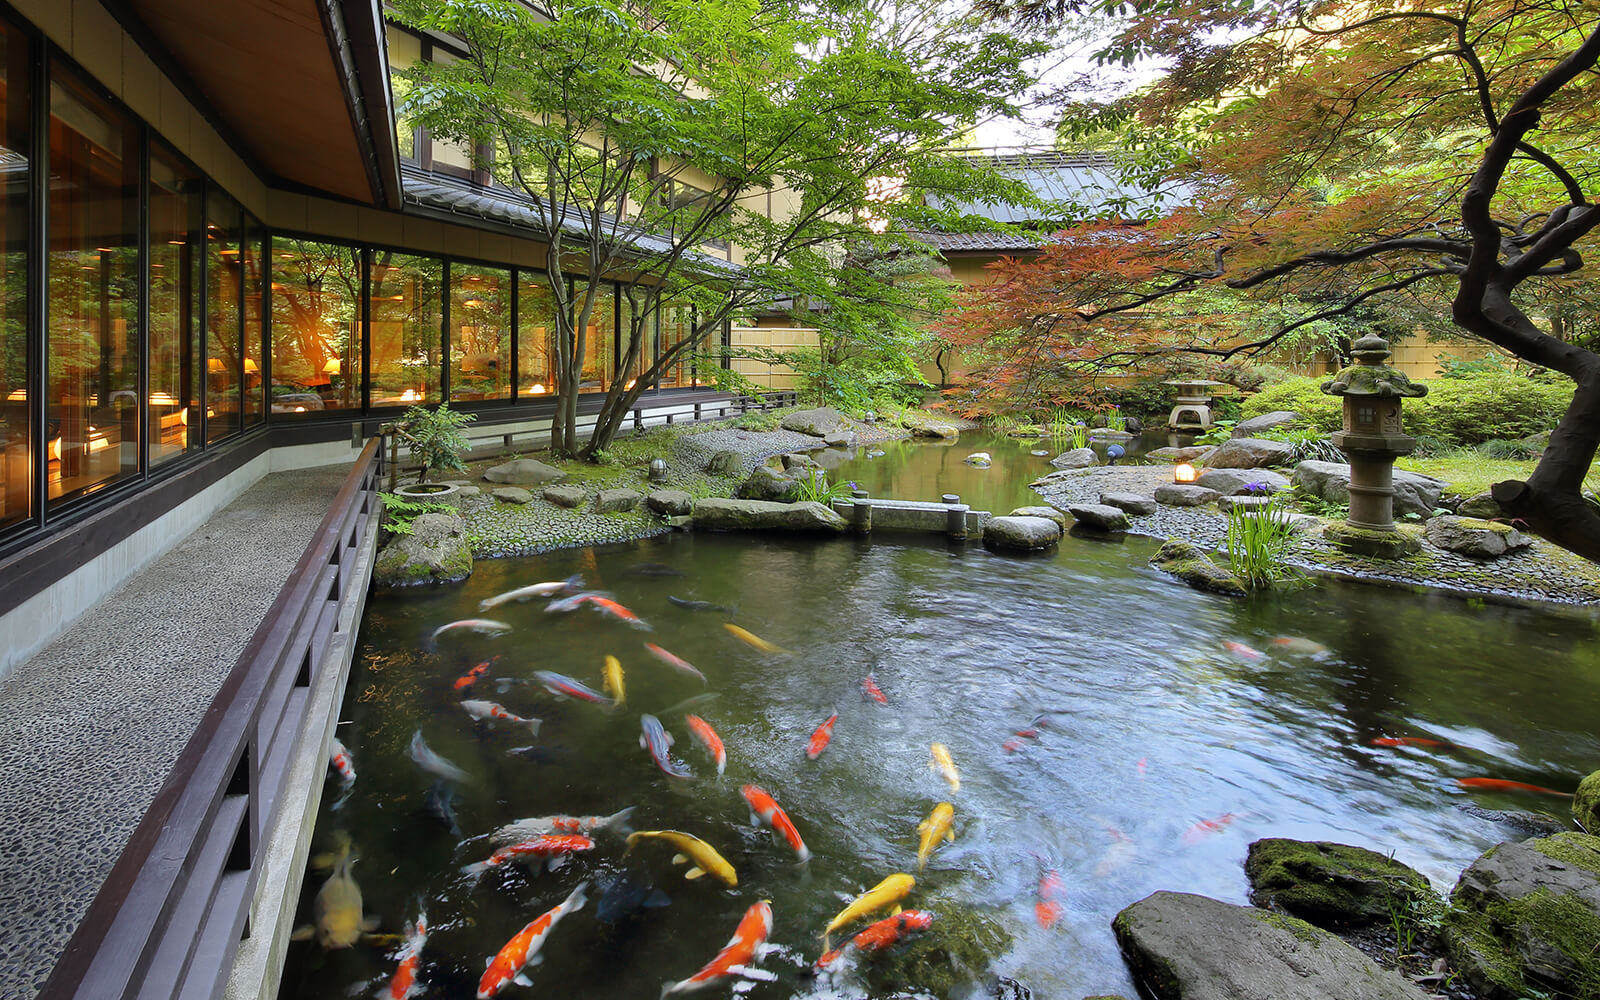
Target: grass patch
1467 471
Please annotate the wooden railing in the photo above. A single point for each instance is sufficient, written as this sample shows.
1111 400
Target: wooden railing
168 920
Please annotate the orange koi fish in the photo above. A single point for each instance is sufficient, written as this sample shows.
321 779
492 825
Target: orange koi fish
340 760
1407 741
554 848
705 734
870 689
1047 911
1242 651
1502 785
820 738
880 935
1031 733
735 957
469 678
764 807
403 985
1206 827
677 663
508 965
607 606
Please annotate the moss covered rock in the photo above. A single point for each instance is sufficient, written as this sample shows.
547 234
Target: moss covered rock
1189 563
946 959
1525 917
436 551
1332 885
1586 803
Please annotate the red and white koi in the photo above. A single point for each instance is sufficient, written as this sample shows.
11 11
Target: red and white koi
883 934
1207 827
470 678
708 736
340 760
871 691
1242 651
554 849
677 663
565 687
763 807
404 983
536 826
820 738
485 710
572 603
523 949
606 605
736 956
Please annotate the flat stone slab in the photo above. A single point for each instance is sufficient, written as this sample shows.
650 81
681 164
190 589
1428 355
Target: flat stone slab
1184 495
1100 517
1231 482
468 491
1133 503
616 501
565 496
512 494
842 438
1176 455
719 514
524 472
1187 947
1249 453
1471 536
670 502
1023 534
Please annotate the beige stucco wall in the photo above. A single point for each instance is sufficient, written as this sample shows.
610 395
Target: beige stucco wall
780 338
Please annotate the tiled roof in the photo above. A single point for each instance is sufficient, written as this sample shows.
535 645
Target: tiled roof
1026 242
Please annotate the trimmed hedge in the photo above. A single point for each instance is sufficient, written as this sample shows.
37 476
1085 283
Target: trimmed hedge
1461 411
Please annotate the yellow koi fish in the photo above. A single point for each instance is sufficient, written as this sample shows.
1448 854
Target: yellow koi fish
934 829
705 857
885 894
945 766
752 639
613 685
336 910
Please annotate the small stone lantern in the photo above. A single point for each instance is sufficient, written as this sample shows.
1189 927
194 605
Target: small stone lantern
1372 440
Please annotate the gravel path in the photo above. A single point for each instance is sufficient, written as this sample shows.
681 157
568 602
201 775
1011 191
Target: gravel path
1542 572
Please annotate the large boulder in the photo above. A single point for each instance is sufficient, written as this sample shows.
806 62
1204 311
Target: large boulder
726 462
616 501
1332 885
436 551
818 423
719 514
1133 503
767 483
1190 563
525 472
841 438
1021 534
1193 453
1481 505
936 430
1231 482
1249 453
1586 802
1187 947
1077 458
1184 494
1414 493
1100 517
1470 536
670 502
1525 919
1265 422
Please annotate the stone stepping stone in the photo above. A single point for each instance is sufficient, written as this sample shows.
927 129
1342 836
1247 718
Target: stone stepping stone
513 494
1100 517
1133 503
1184 495
1021 534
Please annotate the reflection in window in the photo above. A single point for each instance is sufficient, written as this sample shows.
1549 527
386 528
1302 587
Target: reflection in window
647 334
407 328
599 358
224 358
93 349
536 336
251 261
16 424
480 332
174 305
316 326
677 324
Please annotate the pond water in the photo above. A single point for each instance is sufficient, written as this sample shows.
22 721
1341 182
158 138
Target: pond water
1163 753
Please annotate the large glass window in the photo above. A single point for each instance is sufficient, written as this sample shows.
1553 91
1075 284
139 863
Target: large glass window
647 335
407 328
536 335
175 224
677 325
599 348
480 332
251 261
224 348
93 345
16 421
316 326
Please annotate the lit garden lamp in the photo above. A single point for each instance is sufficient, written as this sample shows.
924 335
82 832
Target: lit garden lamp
1372 440
1184 474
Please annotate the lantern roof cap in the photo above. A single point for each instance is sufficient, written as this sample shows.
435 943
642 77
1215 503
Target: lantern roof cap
1369 376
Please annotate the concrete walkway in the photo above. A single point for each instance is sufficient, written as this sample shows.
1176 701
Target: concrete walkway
90 725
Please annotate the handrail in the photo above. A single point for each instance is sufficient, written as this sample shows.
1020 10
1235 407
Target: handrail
168 919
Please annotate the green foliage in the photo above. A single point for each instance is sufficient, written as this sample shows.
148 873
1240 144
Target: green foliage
1498 448
1259 540
1221 430
1474 408
817 489
757 420
1149 400
434 437
870 380
1313 504
400 512
1451 366
1305 444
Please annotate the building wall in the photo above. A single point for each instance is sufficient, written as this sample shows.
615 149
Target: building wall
777 338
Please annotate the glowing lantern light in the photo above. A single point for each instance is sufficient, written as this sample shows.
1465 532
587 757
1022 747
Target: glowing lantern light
1183 474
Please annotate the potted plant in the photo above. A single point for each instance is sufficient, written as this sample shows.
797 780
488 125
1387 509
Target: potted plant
436 443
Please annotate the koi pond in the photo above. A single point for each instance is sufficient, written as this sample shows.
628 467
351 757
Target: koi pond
1114 732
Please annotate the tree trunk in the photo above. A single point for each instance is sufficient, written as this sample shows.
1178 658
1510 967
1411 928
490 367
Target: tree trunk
1551 501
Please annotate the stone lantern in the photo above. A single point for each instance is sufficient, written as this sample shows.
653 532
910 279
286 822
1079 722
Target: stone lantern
1372 440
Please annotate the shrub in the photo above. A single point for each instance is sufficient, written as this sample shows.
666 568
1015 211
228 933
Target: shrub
1302 395
1146 400
434 438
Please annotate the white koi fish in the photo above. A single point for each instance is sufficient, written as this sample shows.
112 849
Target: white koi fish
485 710
548 589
